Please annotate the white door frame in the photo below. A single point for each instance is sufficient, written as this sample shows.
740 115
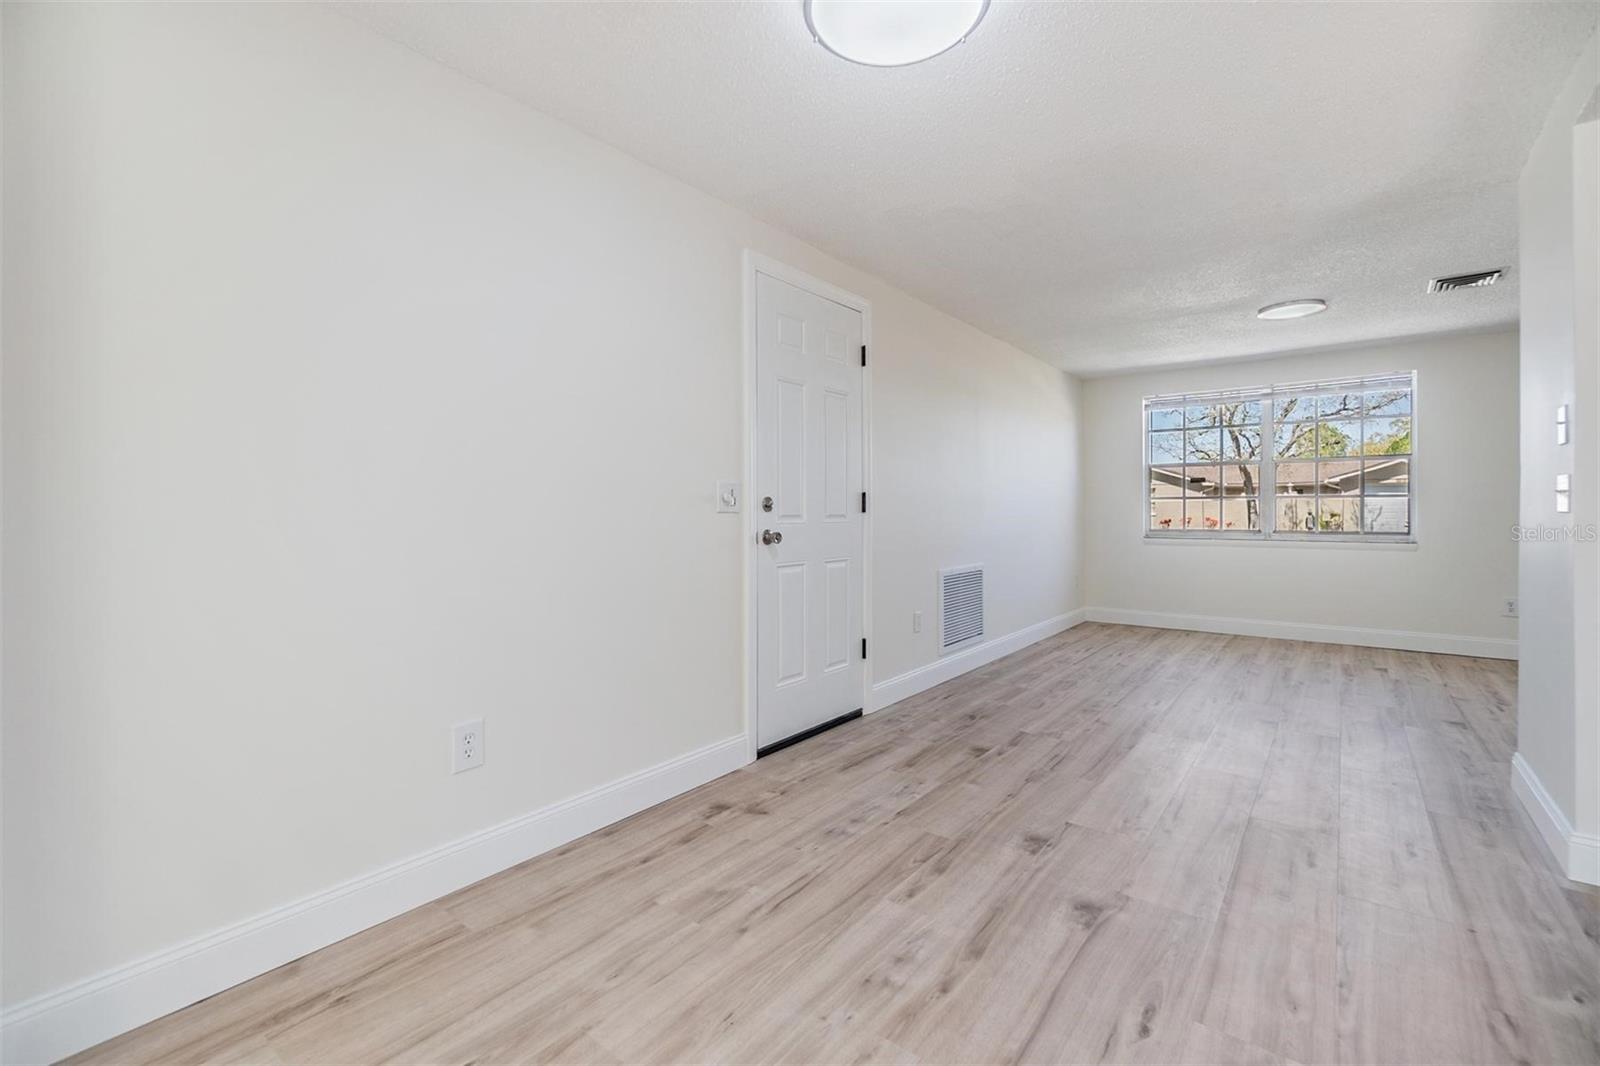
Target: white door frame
756 263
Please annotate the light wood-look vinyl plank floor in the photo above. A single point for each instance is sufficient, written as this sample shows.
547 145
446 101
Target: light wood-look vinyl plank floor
1118 845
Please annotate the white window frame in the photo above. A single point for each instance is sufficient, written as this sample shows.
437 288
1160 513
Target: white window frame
1267 488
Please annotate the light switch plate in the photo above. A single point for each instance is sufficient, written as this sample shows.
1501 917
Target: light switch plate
728 497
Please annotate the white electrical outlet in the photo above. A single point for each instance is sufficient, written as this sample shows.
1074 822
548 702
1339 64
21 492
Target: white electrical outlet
466 746
916 621
1510 610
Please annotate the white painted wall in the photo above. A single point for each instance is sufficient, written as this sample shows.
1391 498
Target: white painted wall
1451 584
345 399
1556 733
1586 466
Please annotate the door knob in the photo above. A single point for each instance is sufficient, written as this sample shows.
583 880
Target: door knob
770 537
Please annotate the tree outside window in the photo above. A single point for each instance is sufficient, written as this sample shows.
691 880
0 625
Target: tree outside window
1339 462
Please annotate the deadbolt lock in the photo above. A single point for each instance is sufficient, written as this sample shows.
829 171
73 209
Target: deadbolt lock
766 503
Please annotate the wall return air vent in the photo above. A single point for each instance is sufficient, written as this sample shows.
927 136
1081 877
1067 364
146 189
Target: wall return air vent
960 607
1465 281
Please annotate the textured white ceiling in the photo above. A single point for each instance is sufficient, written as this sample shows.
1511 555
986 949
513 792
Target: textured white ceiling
1106 185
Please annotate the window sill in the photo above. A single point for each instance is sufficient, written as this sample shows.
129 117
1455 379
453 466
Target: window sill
1325 540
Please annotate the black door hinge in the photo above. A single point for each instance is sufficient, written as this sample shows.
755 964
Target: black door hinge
863 647
863 503
863 355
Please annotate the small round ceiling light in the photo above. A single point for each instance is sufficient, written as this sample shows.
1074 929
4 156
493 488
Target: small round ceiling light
1292 309
892 33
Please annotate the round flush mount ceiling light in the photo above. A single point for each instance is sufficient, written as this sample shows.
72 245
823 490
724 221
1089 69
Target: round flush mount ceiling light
1292 309
892 33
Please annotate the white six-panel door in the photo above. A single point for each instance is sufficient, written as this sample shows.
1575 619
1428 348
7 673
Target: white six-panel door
809 465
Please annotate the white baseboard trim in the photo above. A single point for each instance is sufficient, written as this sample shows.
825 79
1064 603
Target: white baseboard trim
1399 639
59 1023
1576 853
923 678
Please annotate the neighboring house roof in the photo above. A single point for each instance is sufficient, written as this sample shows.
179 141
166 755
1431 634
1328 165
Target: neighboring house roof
1348 482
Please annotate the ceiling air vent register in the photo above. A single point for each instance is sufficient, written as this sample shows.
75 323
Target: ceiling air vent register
960 607
1465 281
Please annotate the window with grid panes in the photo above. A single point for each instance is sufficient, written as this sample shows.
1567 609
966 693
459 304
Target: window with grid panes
1322 460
